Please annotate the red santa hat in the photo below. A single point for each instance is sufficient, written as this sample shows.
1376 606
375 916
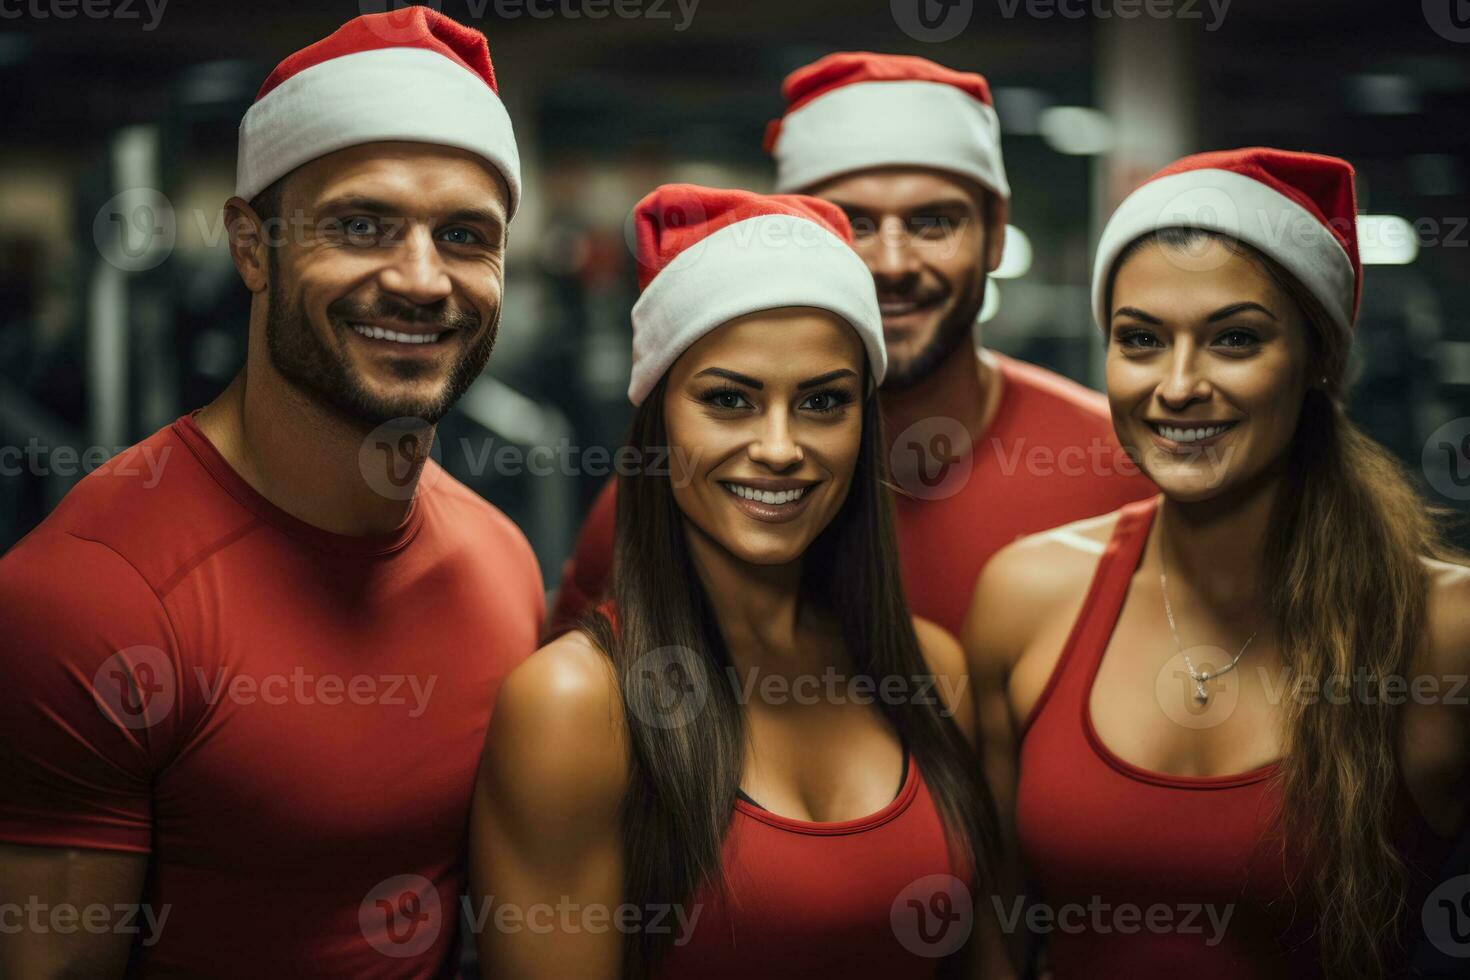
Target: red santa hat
707 256
410 74
1297 208
855 109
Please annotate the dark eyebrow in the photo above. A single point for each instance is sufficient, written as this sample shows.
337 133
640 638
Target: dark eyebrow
356 202
1234 308
371 205
482 216
1136 314
822 379
734 376
943 204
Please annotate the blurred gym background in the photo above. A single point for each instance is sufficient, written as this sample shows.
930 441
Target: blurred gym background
120 310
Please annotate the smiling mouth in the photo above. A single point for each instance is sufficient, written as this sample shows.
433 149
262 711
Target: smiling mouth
771 498
396 336
897 307
1187 435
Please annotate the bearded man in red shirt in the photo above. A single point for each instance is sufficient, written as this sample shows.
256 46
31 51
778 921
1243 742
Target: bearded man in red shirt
248 666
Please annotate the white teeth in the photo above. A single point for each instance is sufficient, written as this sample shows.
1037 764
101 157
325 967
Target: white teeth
765 496
378 333
1177 434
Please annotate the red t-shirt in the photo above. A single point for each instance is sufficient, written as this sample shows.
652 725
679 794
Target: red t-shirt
287 721
1048 457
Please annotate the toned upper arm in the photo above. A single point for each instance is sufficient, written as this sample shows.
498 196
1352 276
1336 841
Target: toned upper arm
1025 589
77 927
1010 635
1448 638
1025 597
945 659
545 827
82 735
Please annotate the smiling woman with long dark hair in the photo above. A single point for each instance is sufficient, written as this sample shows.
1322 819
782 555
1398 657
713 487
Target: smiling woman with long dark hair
1212 687
752 748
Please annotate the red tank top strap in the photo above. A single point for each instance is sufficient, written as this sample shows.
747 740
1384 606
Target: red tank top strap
1099 613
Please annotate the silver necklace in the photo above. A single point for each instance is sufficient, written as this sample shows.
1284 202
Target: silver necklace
1201 693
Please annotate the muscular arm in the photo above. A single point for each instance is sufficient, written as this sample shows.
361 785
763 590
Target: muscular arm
992 643
545 832
1437 734
1024 591
75 781
946 661
60 911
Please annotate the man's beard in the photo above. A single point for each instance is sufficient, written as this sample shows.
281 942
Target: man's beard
955 329
304 359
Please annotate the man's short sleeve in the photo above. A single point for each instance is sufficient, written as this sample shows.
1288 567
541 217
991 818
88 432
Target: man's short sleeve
89 701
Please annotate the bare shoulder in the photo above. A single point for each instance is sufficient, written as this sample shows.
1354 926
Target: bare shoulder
557 740
942 652
945 659
1027 583
1448 617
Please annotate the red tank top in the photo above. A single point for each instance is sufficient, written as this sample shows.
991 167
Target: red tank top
877 897
1112 844
874 898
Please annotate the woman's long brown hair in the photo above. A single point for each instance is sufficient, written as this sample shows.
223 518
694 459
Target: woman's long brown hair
666 642
1344 570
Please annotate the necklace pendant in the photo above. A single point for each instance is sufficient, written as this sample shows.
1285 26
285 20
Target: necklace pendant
1200 694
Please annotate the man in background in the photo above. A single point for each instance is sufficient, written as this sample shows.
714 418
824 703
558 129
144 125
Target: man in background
983 448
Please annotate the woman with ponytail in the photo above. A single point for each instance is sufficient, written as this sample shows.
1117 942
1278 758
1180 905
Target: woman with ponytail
1235 704
751 762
